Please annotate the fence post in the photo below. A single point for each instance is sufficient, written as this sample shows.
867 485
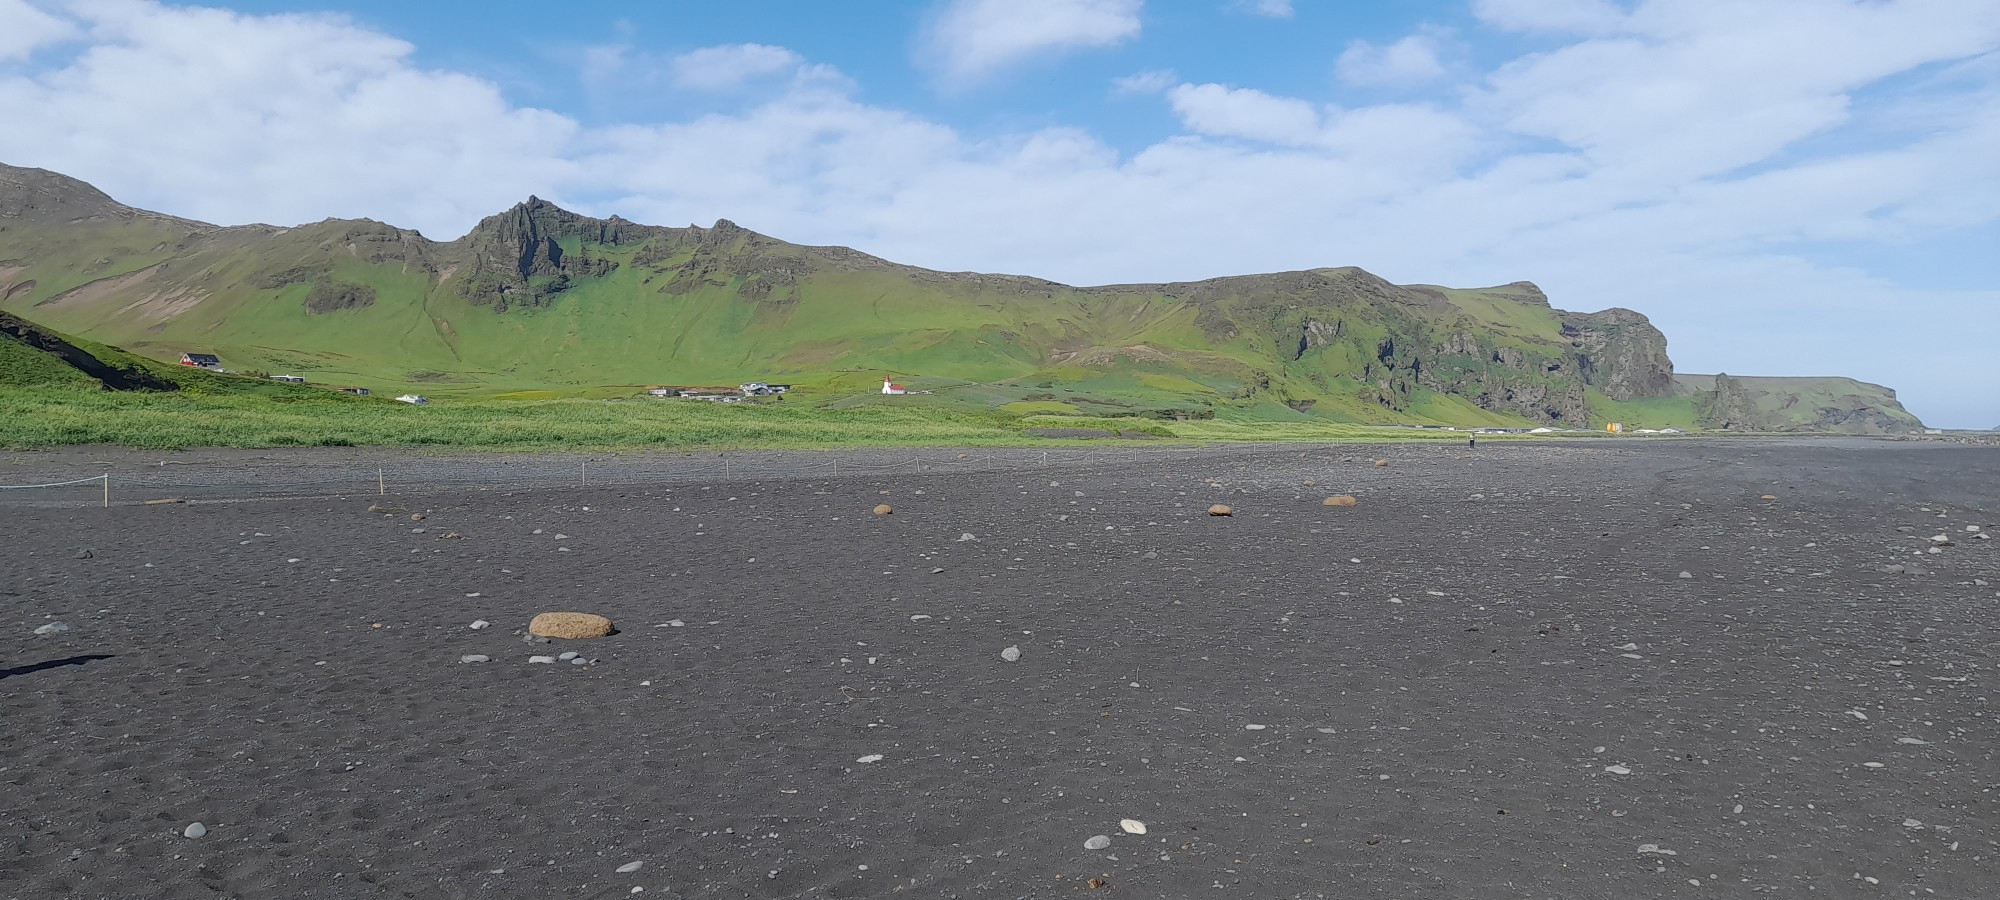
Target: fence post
381 486
1045 457
725 466
107 490
586 470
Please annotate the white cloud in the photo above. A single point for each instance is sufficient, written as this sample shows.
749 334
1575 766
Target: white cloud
1410 61
288 118
1649 166
25 28
1270 9
730 65
1222 111
1562 16
970 39
1151 81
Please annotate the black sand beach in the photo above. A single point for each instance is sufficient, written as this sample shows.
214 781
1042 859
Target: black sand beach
1532 670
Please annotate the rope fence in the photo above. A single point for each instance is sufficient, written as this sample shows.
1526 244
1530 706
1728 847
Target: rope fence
265 478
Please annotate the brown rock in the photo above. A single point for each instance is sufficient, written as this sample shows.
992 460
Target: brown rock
1338 500
1220 510
571 625
1381 462
416 517
1767 497
884 509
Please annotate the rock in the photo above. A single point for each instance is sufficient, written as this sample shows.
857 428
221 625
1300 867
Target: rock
1338 500
1132 826
568 655
1011 654
1382 463
1220 510
883 509
870 758
966 537
475 658
1254 727
1892 569
1768 497
1618 770
479 624
629 867
1097 843
85 554
52 628
1686 575
579 661
416 517
542 660
570 625
194 830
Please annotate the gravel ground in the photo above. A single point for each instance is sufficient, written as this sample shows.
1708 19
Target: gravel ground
1563 670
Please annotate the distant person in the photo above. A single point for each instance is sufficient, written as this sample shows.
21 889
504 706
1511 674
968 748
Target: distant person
1472 442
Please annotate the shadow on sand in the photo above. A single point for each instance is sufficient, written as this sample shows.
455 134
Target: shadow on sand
52 664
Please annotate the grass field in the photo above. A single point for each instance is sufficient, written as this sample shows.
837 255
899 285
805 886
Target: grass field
38 417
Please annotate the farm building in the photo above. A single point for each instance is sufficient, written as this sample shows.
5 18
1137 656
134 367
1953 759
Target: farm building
356 391
207 361
890 387
289 379
414 400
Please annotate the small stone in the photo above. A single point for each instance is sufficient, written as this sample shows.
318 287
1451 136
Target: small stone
883 509
1768 497
569 625
1220 510
1381 463
1873 765
1338 500
543 660
85 554
568 655
52 628
1011 654
416 517
477 625
1255 727
631 867
1892 569
1687 575
579 661
1097 843
194 830
1132 826
870 758
1912 823
1618 770
919 617
475 658
966 537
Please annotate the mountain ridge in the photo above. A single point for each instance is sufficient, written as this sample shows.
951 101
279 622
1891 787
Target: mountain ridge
540 298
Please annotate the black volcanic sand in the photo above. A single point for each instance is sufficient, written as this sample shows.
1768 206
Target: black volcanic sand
1792 719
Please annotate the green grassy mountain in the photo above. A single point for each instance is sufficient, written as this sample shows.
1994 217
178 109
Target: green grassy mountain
539 301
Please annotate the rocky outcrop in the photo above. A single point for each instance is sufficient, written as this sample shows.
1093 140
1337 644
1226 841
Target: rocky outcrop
1834 405
1619 352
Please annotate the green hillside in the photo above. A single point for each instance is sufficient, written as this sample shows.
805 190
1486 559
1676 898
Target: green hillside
541 302
1763 403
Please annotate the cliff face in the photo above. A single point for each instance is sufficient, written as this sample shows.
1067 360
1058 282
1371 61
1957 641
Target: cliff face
1620 353
1836 405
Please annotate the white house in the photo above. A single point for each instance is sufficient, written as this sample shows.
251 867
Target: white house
413 400
890 387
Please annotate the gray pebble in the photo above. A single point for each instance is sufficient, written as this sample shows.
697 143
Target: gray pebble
579 661
194 830
568 655
544 660
475 658
1011 654
1097 843
52 628
630 867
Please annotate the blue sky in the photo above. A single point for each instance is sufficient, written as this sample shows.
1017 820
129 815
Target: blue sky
1785 186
